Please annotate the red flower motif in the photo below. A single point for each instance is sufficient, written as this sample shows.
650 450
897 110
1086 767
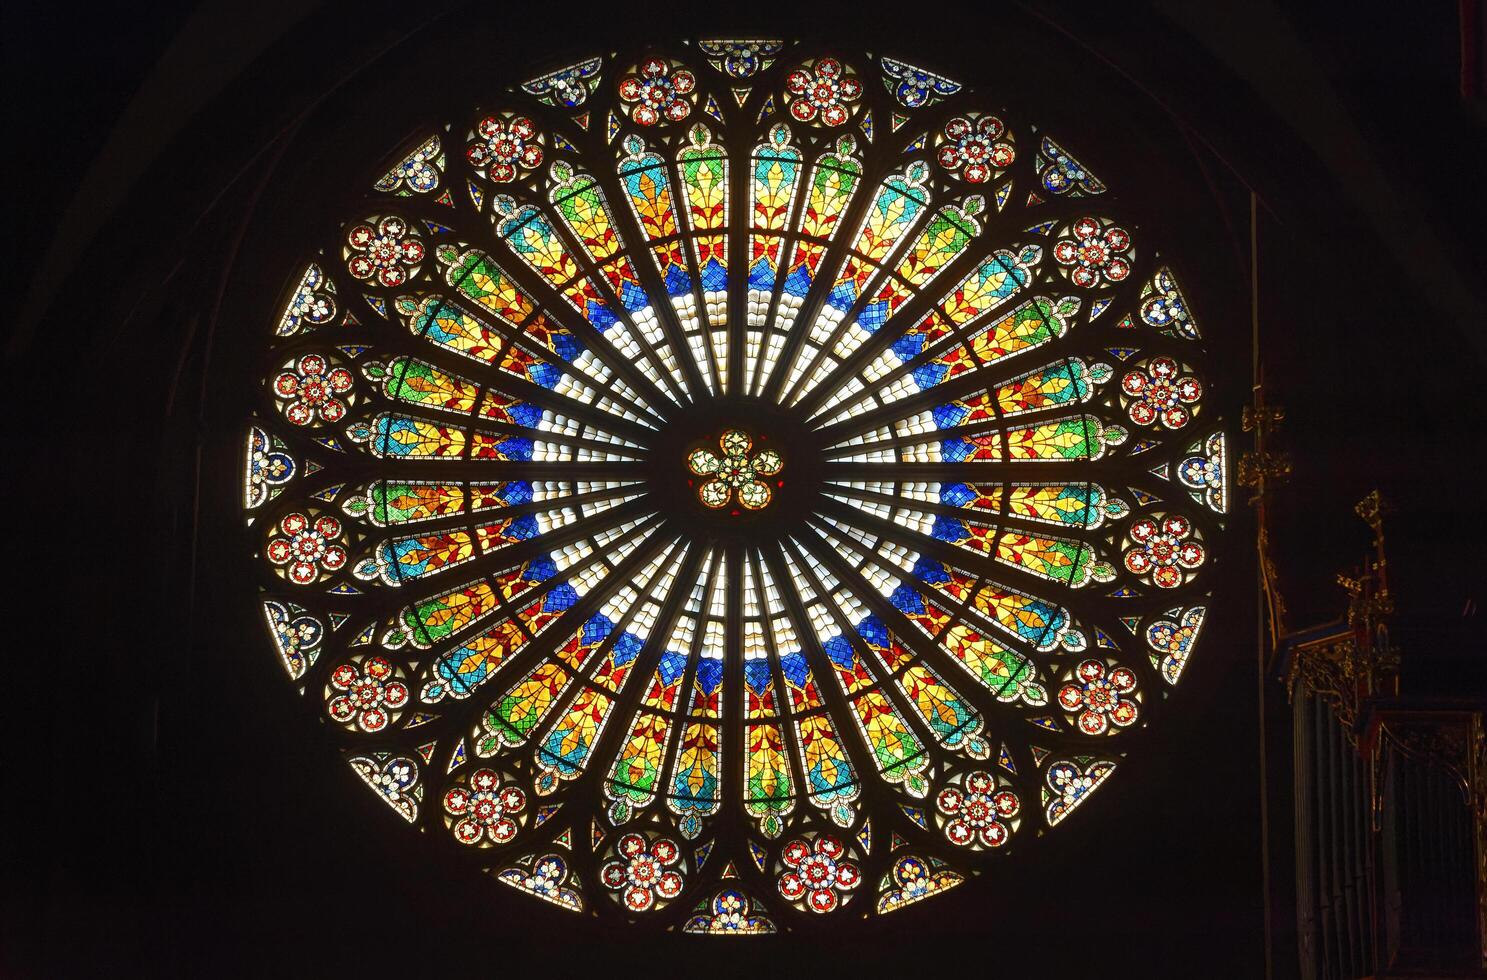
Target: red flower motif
367 697
1098 696
1094 252
642 872
310 390
390 253
818 873
1160 391
977 812
973 149
303 550
504 148
823 90
1163 551
485 809
660 91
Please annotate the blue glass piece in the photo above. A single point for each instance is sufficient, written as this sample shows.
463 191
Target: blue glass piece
516 448
565 345
560 599
956 450
678 283
598 627
956 494
516 492
874 315
873 631
949 529
842 296
761 276
949 415
794 667
907 600
709 674
931 571
840 651
929 375
633 297
798 282
671 666
524 413
540 569
626 648
908 347
756 675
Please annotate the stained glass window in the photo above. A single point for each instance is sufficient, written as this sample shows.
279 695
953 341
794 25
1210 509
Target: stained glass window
736 484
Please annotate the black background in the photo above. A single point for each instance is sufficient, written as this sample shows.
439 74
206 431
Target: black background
177 814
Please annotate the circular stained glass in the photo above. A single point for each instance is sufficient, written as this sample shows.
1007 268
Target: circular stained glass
736 484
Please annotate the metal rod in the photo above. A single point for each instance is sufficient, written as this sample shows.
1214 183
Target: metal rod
1260 596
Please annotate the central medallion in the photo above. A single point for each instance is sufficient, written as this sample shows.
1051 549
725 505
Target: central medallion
739 472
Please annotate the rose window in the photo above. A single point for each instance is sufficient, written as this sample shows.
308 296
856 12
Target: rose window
738 484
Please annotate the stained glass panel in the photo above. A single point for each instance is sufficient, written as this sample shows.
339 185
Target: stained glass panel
694 487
